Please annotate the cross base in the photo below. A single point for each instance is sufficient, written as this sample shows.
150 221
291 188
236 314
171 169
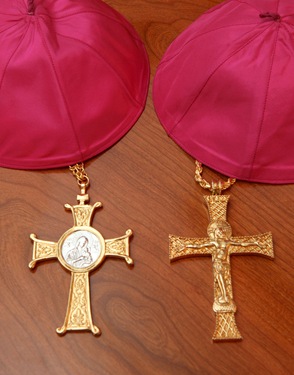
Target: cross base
94 329
78 315
225 327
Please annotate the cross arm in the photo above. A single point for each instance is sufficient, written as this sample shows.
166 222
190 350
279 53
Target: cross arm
181 247
42 250
261 244
119 247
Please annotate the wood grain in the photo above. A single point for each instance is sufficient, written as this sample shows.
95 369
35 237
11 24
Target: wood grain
156 318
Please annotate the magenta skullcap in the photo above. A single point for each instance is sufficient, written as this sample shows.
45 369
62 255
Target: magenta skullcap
74 79
224 90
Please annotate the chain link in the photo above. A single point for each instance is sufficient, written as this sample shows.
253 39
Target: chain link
216 187
78 171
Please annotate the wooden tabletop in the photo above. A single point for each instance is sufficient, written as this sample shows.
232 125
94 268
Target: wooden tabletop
156 317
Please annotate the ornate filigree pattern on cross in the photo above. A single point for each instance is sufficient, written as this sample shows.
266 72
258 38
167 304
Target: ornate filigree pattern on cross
220 245
80 250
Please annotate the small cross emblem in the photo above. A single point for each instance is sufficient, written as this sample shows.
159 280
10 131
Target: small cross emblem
220 245
81 249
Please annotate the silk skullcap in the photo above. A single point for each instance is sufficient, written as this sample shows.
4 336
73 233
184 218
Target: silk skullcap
224 90
74 77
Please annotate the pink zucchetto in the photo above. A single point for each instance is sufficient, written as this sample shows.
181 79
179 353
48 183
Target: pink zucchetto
224 90
74 78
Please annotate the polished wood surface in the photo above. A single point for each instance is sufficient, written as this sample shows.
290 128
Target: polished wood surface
155 317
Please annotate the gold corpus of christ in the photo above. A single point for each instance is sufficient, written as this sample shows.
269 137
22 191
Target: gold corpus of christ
80 250
220 245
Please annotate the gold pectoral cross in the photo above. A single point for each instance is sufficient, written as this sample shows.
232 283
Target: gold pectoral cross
220 245
80 250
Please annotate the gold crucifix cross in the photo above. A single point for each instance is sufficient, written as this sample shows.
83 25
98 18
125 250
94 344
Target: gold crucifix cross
220 245
80 250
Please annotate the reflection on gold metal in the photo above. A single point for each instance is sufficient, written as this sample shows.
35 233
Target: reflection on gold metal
80 250
220 245
215 187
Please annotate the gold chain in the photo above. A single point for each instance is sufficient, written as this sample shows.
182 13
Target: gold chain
216 187
78 171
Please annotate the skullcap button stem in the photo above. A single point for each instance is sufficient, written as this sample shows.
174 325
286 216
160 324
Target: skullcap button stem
270 16
31 7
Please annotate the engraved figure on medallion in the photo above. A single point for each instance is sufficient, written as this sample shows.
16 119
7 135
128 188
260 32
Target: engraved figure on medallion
80 256
81 249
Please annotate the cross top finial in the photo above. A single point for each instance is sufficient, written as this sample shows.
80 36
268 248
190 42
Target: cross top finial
82 198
